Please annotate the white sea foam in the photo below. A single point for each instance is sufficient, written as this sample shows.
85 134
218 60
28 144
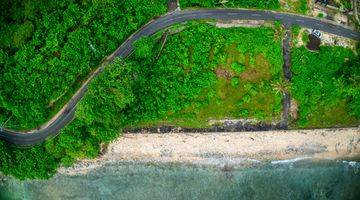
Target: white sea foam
289 161
351 163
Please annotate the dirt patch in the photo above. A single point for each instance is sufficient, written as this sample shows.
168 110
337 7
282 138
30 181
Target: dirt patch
261 71
262 63
224 73
335 40
250 75
294 109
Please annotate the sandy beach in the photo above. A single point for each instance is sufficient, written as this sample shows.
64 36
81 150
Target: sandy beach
228 149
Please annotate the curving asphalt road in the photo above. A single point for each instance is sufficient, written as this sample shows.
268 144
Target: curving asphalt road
67 113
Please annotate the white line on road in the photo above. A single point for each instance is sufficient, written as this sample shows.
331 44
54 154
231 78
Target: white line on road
300 20
256 15
232 14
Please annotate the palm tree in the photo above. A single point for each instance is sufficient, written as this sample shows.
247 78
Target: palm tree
281 86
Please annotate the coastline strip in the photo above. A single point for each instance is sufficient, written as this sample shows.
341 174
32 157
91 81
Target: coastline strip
228 149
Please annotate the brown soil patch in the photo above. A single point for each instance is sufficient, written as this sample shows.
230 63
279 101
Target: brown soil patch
223 73
294 109
260 71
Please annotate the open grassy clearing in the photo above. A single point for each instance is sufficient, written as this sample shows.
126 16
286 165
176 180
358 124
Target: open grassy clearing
326 86
234 73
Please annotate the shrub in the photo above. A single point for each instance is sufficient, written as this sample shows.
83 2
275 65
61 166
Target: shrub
264 4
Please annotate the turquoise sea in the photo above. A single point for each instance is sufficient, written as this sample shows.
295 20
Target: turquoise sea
289 180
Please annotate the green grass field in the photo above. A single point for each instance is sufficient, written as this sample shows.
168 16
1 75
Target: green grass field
231 73
325 85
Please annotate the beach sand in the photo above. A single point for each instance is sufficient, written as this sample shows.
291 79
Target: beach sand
228 149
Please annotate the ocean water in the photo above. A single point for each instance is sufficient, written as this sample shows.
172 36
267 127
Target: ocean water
277 180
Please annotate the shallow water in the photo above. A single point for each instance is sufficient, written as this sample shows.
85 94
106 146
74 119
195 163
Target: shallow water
299 180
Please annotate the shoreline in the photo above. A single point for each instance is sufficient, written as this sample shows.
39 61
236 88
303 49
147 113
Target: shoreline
226 150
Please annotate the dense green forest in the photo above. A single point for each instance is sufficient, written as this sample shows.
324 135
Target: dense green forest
264 4
183 81
94 123
48 47
326 86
